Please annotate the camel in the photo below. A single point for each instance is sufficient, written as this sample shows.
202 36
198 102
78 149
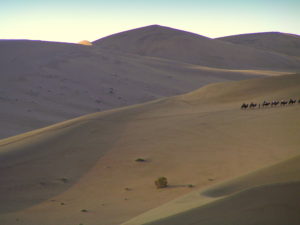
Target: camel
253 105
265 103
292 101
283 102
244 106
274 103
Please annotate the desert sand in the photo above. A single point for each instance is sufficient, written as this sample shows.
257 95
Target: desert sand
167 96
43 83
267 196
84 170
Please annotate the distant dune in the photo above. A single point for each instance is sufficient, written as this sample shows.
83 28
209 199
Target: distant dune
43 83
283 43
84 170
46 82
165 42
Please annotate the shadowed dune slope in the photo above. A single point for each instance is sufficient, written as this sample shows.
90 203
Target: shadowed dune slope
42 83
267 196
48 176
165 42
284 43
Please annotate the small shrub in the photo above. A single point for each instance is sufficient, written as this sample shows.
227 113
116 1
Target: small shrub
140 160
84 210
161 182
190 185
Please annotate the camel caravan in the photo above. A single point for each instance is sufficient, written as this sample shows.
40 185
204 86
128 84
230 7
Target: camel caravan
271 104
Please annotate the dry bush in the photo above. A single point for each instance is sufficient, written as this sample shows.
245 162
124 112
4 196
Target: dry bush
161 182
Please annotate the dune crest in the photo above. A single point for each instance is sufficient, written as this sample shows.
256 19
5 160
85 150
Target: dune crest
169 43
283 43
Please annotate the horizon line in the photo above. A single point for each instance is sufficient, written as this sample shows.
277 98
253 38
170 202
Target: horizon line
66 42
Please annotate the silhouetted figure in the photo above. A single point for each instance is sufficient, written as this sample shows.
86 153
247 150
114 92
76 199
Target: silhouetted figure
283 102
274 103
292 101
244 106
265 103
252 105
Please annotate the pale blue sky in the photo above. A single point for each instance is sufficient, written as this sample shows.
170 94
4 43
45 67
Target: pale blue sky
73 20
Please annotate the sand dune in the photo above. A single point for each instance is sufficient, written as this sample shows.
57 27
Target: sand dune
43 83
165 42
283 43
267 196
49 176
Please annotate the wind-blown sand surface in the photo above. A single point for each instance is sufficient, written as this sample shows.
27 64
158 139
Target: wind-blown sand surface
49 176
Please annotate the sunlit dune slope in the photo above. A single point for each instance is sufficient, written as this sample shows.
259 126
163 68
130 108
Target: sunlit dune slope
283 43
165 42
256 90
49 176
267 196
